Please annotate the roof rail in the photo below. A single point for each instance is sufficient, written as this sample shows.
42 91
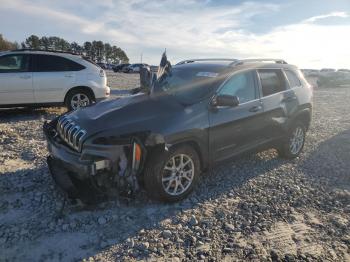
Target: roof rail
42 50
242 61
206 59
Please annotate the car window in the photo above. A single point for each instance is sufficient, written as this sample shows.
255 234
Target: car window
292 78
14 63
188 85
241 85
52 63
272 81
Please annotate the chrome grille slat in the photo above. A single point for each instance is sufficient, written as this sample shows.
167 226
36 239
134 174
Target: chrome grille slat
71 133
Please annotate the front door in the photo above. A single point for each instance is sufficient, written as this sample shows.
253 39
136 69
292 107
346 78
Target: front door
236 129
16 83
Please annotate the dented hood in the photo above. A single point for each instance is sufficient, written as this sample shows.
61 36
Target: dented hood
126 114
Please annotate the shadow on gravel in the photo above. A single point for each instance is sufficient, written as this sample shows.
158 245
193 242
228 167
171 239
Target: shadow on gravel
330 162
25 114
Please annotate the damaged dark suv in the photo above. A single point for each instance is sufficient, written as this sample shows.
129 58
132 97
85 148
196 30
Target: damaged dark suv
192 115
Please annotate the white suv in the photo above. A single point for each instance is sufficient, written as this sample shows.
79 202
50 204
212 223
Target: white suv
45 78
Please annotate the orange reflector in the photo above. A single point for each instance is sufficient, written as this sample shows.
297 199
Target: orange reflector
137 152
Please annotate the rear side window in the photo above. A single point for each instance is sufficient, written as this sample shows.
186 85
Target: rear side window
52 63
14 63
272 81
241 85
292 79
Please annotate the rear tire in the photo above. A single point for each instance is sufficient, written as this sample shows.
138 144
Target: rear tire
170 177
293 143
78 98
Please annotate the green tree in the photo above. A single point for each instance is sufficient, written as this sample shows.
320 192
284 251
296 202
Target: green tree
87 46
95 50
54 43
33 42
44 43
119 55
107 52
76 48
7 45
63 45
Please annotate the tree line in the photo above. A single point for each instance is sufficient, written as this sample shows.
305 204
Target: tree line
95 50
7 45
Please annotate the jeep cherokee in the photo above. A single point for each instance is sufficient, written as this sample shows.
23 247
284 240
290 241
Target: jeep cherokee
196 113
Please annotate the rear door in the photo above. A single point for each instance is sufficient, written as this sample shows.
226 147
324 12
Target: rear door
279 101
53 76
16 83
236 129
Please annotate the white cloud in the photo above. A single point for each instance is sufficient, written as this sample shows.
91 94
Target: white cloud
192 28
63 19
320 17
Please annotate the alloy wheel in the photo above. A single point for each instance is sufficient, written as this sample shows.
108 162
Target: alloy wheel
79 100
296 140
178 174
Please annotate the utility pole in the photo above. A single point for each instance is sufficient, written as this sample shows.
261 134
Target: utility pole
141 58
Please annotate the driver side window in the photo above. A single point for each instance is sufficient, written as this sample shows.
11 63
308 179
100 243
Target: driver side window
14 63
241 85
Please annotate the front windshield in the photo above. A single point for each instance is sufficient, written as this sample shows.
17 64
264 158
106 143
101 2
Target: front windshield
188 84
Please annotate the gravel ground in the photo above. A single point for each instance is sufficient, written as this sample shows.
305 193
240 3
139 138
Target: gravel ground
257 207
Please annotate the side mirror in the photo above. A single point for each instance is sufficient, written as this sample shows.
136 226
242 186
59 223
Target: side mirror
225 100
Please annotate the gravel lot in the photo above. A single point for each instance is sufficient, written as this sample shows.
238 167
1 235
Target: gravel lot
257 207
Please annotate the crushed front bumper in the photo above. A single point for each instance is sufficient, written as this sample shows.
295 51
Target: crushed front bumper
69 167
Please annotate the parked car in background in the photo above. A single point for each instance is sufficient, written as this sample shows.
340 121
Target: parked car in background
47 78
109 66
102 65
120 67
133 68
344 70
196 114
327 70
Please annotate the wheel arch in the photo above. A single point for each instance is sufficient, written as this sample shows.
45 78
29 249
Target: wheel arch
85 88
203 160
304 116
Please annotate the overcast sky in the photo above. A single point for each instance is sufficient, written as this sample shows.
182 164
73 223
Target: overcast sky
309 33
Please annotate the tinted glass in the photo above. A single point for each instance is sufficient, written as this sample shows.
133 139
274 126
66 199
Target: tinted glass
52 63
241 85
14 63
272 81
189 84
292 78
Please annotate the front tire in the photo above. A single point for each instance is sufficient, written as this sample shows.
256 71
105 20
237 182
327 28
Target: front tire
78 98
293 143
171 177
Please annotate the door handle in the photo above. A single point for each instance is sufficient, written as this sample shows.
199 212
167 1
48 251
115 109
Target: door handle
68 76
255 109
24 77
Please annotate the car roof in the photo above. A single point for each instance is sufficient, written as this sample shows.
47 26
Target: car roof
205 66
41 52
223 65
